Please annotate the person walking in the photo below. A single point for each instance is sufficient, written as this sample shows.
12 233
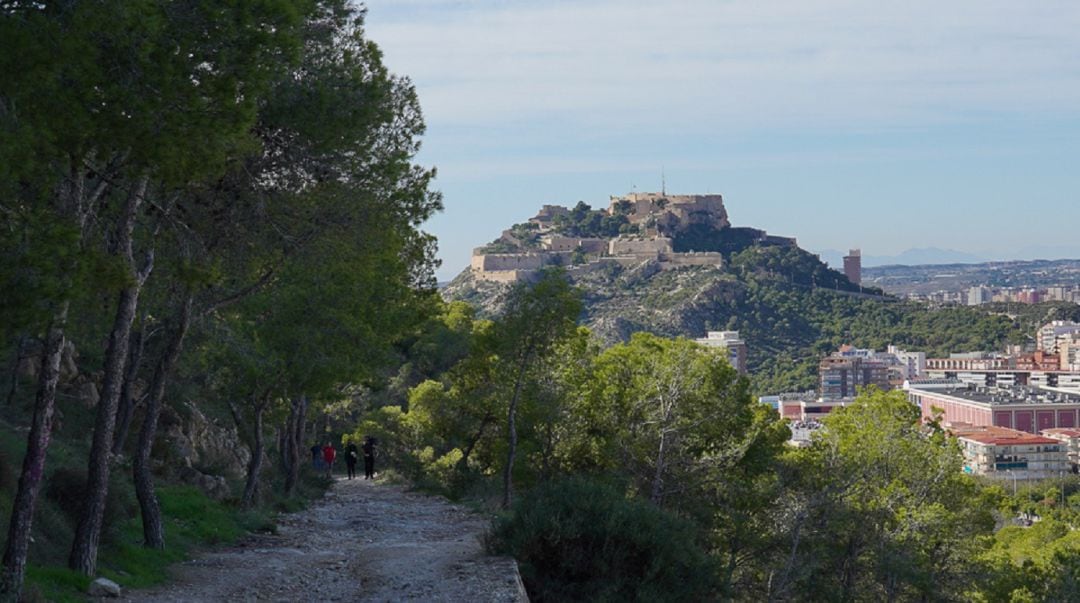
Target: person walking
316 456
351 456
369 457
329 454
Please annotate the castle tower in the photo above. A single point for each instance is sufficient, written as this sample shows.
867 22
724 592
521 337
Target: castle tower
853 266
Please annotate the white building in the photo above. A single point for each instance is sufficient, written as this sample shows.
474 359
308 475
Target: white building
979 295
729 340
913 364
1048 334
1071 439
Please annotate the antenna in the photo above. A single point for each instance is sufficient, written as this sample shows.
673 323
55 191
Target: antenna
663 182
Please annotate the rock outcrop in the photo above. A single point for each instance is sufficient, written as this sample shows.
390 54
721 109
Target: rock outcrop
195 441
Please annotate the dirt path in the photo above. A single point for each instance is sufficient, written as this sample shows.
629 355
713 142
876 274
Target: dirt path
364 541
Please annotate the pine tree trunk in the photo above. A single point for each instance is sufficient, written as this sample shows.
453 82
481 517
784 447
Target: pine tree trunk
294 440
511 425
37 444
153 526
657 495
251 488
84 548
126 407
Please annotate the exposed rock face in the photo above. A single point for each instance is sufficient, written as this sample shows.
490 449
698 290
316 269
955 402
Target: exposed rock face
214 486
86 392
199 443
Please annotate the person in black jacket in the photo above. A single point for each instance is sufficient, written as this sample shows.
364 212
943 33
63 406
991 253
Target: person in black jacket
351 456
369 457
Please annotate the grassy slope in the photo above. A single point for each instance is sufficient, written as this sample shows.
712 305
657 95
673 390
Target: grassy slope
192 520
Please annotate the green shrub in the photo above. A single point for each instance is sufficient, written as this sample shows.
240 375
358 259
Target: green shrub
578 540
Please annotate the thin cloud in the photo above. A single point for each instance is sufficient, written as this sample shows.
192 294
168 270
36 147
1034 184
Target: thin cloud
734 64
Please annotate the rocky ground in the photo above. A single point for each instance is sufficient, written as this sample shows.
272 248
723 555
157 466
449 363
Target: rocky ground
364 541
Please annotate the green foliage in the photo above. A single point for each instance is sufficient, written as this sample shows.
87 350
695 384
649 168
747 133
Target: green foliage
281 196
584 221
883 509
577 540
705 237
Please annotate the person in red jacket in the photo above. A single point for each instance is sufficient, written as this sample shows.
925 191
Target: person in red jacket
329 454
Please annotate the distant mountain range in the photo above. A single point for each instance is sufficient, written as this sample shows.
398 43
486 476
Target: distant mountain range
934 255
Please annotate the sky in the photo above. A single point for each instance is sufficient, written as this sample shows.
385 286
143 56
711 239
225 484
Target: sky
884 126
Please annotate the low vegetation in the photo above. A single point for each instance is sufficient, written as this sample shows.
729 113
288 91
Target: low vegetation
665 436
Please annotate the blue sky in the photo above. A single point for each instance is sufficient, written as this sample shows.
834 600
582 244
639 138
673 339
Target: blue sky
844 123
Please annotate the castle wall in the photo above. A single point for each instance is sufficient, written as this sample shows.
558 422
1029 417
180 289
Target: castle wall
704 258
780 241
504 276
571 244
508 261
643 247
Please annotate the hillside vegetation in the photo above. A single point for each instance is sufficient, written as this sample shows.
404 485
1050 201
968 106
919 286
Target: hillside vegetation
789 307
603 456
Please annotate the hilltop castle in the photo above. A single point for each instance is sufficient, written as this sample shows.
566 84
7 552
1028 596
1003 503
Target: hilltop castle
637 228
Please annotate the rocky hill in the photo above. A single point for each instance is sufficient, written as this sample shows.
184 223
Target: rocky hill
789 307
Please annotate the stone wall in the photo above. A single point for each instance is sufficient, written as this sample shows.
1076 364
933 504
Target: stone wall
642 247
588 245
508 261
504 276
672 211
675 260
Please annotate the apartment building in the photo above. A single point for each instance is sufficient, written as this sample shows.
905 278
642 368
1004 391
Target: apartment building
1001 452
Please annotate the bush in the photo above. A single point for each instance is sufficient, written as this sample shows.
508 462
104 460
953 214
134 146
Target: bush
578 540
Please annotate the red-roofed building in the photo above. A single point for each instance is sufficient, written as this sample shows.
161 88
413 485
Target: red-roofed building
1003 452
1071 438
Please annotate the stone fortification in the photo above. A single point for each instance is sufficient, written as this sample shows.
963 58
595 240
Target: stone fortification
671 212
696 258
495 262
657 215
587 245
647 248
547 215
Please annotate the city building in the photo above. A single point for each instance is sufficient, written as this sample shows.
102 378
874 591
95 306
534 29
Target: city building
1071 439
1068 348
853 266
1008 453
841 374
1047 338
736 348
1037 369
971 361
1025 408
805 406
912 364
979 295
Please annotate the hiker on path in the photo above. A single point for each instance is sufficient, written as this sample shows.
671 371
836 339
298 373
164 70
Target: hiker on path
329 454
351 455
316 456
369 457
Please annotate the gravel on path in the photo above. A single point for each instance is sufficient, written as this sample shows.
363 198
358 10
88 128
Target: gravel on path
364 541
